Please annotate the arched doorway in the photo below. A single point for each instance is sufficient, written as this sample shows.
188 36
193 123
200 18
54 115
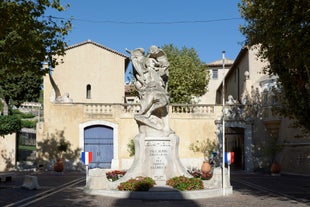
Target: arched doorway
234 142
98 139
238 135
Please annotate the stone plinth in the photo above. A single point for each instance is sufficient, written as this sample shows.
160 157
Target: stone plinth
97 179
155 157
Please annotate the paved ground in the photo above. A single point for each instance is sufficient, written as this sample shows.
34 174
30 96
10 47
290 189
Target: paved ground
250 190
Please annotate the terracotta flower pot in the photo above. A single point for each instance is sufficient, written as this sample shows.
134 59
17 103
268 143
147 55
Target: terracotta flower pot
205 167
275 167
59 165
206 176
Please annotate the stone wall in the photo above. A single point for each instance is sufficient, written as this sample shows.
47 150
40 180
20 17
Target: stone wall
7 152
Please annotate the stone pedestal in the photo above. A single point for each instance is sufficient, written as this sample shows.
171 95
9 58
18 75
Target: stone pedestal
97 179
155 157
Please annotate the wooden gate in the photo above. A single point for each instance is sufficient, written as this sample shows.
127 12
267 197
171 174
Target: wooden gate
98 139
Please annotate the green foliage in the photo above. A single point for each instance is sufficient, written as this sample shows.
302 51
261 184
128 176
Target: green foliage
187 74
29 124
28 39
281 29
1 106
183 183
29 148
9 124
25 123
271 148
137 184
22 115
206 147
131 148
63 145
21 87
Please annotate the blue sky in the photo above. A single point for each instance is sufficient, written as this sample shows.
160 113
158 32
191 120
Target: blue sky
121 24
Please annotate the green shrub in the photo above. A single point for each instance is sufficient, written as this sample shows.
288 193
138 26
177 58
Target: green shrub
9 124
137 184
131 148
22 115
29 124
183 183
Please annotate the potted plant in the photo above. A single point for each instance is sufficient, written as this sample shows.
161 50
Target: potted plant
272 149
62 148
206 147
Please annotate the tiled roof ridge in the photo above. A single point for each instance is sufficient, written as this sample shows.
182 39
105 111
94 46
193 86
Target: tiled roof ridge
97 44
220 62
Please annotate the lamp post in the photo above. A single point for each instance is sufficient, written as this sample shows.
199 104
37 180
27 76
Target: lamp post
223 130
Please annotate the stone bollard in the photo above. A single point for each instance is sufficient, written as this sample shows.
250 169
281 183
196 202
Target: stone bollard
216 180
31 182
97 180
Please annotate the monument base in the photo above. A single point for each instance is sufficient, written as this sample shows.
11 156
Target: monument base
164 195
155 157
97 184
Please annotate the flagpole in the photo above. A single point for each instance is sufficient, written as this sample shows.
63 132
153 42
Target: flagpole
223 130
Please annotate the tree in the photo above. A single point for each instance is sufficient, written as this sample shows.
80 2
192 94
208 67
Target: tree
281 29
9 124
28 38
187 74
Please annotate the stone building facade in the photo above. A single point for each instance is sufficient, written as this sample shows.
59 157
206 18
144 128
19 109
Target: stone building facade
84 97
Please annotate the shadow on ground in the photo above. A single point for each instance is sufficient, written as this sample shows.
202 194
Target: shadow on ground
283 187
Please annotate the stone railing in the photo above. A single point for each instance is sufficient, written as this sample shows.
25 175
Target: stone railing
236 111
99 108
192 109
176 109
131 108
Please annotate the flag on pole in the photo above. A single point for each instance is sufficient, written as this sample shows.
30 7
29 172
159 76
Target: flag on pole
229 157
87 157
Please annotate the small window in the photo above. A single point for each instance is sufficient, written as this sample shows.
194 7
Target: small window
214 73
88 91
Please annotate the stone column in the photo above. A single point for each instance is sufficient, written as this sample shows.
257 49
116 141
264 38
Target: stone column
249 166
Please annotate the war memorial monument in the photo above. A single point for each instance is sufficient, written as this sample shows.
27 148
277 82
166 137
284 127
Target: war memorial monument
156 145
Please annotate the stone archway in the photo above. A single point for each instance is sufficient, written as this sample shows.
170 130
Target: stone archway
114 127
247 126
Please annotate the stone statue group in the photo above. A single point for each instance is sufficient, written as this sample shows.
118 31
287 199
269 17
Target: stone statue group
150 73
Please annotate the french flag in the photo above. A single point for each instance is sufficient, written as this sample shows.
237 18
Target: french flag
229 157
87 157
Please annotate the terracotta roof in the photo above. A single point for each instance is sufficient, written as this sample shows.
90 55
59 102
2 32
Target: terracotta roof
220 62
127 60
97 44
241 54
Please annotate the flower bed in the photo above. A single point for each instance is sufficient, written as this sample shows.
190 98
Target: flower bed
199 174
115 175
183 183
137 184
145 183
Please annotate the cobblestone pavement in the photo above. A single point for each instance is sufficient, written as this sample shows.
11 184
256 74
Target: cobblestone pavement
250 190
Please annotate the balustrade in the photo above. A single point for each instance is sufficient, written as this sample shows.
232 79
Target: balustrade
98 108
135 108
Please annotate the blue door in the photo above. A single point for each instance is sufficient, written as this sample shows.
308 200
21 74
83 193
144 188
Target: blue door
98 139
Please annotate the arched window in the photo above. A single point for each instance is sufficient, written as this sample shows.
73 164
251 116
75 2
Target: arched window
88 91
